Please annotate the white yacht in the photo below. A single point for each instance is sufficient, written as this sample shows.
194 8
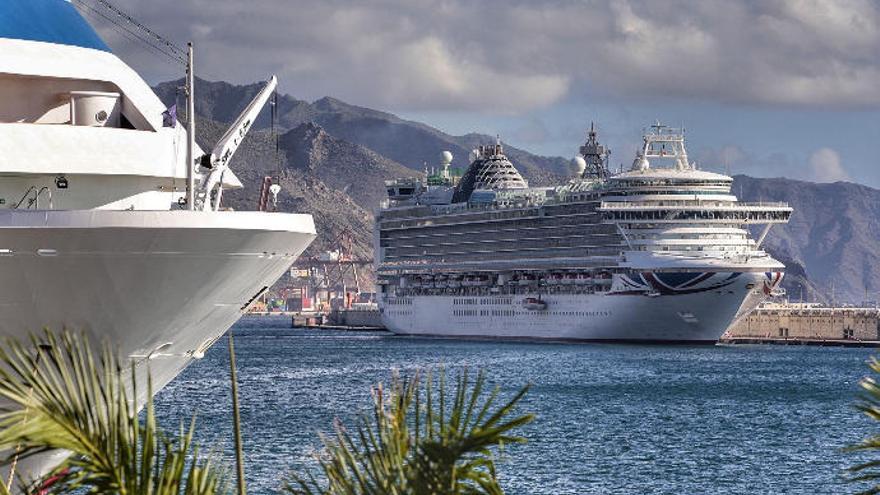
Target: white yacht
110 215
658 253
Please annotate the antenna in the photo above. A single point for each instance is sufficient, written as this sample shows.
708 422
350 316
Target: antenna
833 303
190 130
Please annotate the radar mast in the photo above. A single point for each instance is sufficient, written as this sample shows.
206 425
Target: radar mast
596 157
663 142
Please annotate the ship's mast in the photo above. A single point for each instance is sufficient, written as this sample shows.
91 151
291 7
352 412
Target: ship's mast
596 156
664 142
190 130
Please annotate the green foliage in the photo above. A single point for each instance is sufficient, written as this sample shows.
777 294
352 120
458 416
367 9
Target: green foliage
870 405
66 396
419 442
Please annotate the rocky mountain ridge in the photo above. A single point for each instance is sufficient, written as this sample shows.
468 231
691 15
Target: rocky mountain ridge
332 159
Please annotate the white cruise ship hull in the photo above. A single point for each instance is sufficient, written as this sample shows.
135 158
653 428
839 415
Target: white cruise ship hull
159 285
683 316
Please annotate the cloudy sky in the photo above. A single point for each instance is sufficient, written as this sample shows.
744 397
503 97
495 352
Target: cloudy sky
768 88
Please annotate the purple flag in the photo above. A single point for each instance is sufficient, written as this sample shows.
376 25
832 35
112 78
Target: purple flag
169 117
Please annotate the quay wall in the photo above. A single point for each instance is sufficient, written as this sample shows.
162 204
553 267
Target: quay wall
807 322
356 318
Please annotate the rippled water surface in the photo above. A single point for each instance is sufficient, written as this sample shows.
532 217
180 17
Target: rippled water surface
611 418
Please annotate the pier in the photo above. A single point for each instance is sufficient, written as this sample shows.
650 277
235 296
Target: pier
364 319
807 324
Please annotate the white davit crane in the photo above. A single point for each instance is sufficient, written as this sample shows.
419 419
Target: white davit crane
218 160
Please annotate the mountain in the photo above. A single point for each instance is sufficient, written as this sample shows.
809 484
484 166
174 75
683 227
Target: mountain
223 102
333 158
833 232
300 165
351 168
412 144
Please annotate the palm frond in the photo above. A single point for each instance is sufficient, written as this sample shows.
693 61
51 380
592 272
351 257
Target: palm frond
869 404
420 441
64 395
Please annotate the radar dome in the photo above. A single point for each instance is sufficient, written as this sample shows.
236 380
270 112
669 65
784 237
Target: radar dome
446 157
640 163
577 165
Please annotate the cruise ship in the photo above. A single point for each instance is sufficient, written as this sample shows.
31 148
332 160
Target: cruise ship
662 252
110 215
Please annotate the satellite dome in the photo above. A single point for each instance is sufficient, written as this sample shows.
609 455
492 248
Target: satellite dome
577 165
640 163
446 157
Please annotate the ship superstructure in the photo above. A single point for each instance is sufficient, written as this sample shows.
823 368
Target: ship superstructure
655 253
110 216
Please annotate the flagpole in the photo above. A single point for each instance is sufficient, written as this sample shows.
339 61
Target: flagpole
190 130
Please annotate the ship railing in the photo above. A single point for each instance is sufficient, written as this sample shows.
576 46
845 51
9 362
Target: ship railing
505 200
660 204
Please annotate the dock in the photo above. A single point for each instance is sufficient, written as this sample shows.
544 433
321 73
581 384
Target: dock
813 324
799 341
340 319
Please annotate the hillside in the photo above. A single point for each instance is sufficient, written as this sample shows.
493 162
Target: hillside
302 188
833 232
353 169
409 143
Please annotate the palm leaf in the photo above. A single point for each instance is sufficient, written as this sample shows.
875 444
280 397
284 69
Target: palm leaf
63 395
869 404
419 439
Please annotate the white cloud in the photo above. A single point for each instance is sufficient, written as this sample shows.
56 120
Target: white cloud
825 166
506 57
822 165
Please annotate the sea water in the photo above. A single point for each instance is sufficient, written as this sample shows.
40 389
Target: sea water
610 418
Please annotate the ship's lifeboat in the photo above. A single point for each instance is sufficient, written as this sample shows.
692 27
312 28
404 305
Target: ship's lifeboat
475 281
527 279
603 278
454 282
556 279
469 281
534 304
583 279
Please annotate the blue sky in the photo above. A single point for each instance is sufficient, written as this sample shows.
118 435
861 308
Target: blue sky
768 88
